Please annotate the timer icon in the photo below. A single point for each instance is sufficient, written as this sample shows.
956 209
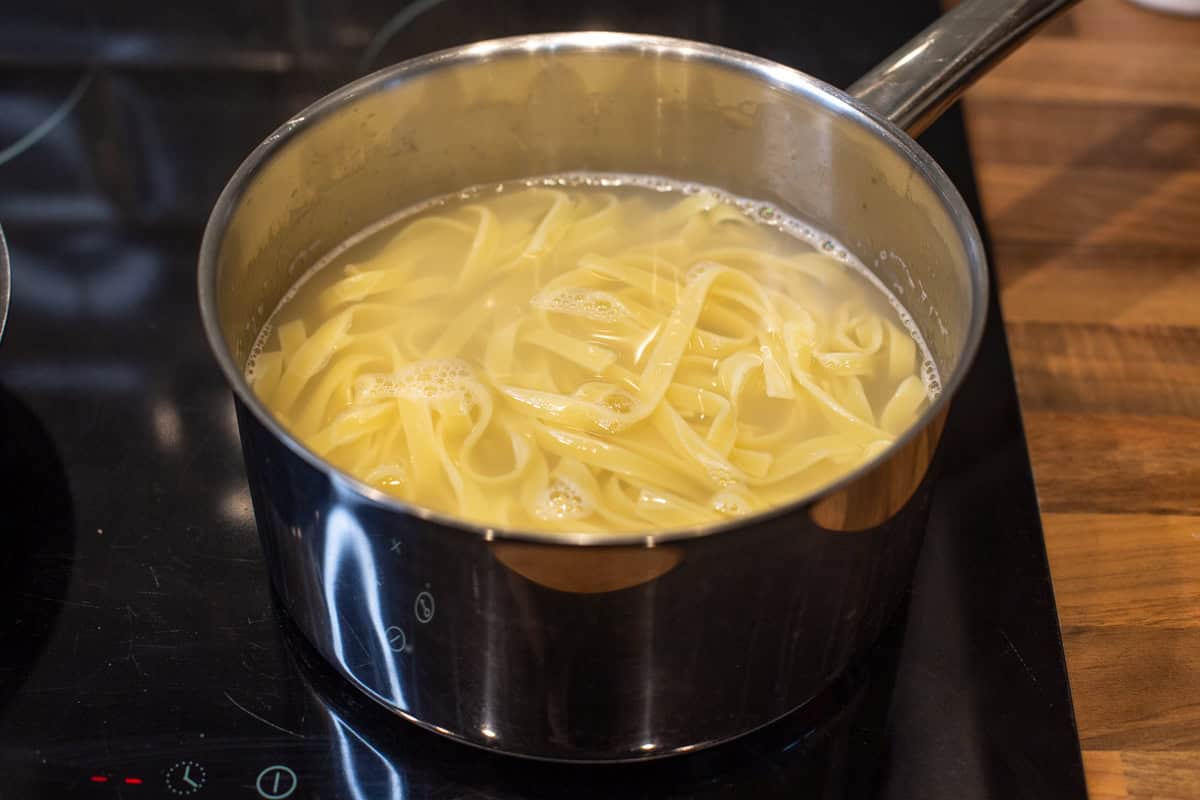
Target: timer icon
185 777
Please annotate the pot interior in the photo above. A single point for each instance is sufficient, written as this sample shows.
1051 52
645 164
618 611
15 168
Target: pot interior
513 109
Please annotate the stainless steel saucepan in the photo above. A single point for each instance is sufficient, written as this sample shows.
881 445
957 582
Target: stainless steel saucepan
594 647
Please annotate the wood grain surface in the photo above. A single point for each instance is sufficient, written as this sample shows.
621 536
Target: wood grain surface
1087 144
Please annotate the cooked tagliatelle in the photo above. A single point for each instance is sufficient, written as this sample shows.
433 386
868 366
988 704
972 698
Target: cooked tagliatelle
591 355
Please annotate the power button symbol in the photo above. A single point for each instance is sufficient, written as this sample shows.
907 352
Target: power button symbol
276 782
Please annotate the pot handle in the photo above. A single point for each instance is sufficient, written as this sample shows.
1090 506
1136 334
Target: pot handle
915 84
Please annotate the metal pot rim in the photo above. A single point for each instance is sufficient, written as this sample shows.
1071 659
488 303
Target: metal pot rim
5 283
778 75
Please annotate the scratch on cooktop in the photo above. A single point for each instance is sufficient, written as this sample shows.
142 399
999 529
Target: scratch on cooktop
132 657
1025 666
64 601
264 721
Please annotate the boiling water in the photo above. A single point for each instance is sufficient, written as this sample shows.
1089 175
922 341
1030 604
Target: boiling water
593 352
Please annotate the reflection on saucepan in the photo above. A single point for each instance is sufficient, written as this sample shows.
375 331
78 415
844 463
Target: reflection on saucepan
5 284
590 571
816 752
884 491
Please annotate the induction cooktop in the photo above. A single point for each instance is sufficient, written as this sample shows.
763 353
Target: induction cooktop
141 653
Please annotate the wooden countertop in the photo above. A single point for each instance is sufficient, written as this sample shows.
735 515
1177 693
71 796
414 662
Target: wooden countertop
1087 148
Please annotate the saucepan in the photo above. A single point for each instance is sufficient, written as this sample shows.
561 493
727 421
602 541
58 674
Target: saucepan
605 647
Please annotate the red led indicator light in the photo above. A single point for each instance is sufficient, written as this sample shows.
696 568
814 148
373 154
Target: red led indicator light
133 781
99 779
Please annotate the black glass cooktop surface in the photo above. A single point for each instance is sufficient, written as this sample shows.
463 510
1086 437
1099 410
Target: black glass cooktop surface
141 655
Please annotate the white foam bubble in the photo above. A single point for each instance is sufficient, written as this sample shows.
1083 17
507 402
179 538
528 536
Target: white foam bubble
730 503
388 476
592 304
563 499
430 380
618 402
718 472
255 351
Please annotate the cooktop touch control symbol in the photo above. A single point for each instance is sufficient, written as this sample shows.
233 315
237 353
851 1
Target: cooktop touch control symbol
276 782
423 607
185 777
396 639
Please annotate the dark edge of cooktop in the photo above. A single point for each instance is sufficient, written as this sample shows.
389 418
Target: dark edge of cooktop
986 405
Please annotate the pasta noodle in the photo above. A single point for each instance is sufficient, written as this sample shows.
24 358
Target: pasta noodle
591 355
